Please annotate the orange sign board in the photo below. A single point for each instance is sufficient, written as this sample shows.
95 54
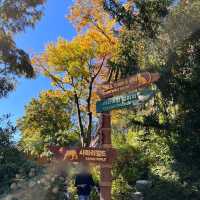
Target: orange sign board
94 155
131 83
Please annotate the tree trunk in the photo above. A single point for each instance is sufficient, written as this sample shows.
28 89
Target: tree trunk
89 128
82 134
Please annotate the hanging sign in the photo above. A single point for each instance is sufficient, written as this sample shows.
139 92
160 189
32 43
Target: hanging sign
126 85
93 155
124 101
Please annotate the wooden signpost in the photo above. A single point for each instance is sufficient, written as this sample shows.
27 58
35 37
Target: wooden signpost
105 154
106 91
106 142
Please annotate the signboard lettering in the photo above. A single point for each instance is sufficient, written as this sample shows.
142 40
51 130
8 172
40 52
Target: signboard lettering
96 155
124 101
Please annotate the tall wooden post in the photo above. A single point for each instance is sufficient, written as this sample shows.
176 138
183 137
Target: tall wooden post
106 177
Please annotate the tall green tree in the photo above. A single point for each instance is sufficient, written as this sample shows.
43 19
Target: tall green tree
7 152
167 129
140 24
48 120
12 161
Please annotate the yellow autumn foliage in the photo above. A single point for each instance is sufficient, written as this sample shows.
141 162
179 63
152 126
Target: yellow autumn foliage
79 65
87 13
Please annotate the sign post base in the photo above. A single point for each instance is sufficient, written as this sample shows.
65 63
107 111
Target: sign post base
106 183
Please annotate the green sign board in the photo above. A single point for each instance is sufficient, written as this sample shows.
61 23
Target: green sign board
124 101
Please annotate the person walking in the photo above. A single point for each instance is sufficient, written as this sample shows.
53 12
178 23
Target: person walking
84 183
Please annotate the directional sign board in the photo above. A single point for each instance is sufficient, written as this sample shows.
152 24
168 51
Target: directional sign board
93 155
126 85
124 101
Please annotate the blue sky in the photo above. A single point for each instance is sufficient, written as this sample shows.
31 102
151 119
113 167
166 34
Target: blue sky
52 25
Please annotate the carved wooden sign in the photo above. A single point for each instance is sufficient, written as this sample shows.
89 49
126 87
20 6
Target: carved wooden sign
93 155
125 85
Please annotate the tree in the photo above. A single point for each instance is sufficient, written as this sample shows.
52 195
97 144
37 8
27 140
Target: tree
146 15
7 152
47 121
140 23
167 131
76 66
7 131
12 161
179 70
90 15
94 17
80 64
15 16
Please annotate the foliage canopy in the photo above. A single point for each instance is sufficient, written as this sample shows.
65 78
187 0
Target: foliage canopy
47 121
15 16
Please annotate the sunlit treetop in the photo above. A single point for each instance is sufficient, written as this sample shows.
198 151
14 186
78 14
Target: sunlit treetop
90 14
78 58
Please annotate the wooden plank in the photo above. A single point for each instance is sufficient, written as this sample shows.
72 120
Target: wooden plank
90 155
131 83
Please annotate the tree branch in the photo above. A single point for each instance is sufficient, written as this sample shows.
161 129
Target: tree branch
56 79
89 128
94 77
102 31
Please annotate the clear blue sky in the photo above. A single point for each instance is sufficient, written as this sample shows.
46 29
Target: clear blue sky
52 25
